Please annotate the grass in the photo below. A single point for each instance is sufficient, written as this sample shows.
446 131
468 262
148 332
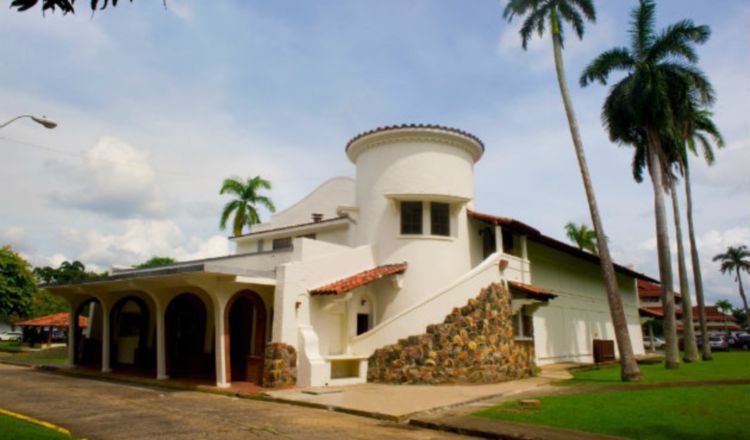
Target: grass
8 346
731 365
12 428
702 412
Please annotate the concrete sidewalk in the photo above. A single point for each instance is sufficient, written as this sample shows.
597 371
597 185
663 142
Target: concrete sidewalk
402 402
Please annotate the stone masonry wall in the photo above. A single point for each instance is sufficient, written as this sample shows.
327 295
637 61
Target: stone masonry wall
474 344
280 366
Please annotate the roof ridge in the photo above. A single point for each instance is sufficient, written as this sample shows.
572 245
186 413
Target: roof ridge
414 125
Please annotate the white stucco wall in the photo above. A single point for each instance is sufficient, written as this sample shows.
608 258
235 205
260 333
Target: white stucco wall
565 328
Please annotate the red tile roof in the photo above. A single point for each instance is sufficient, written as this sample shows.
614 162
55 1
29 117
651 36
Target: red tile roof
56 320
712 313
532 291
407 126
538 237
360 279
654 312
647 289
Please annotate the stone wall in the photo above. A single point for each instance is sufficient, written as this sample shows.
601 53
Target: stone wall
474 344
280 366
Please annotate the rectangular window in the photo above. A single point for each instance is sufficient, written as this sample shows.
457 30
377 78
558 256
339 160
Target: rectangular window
523 324
440 219
282 243
363 323
411 217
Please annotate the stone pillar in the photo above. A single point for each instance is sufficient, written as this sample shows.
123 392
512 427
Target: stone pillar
161 343
72 332
221 341
106 337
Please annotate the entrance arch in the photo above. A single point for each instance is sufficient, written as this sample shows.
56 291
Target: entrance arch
185 323
88 341
129 331
245 333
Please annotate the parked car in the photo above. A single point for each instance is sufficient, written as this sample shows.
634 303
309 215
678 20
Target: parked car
742 341
11 336
658 343
718 342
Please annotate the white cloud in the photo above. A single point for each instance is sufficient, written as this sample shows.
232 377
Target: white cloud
138 240
115 179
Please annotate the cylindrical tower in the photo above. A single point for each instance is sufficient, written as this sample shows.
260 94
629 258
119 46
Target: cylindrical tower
414 184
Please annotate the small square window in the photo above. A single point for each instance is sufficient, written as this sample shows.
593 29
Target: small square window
282 243
440 219
411 217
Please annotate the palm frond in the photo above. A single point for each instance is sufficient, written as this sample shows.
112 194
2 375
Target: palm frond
675 41
571 16
642 28
232 185
618 58
227 211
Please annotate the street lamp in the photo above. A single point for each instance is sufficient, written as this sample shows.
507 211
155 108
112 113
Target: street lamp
41 121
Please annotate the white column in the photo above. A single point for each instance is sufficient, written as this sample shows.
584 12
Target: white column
161 343
72 331
525 256
220 347
499 239
105 339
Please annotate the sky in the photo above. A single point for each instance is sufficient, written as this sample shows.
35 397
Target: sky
156 106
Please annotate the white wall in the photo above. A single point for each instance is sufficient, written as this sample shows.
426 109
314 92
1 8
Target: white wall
564 329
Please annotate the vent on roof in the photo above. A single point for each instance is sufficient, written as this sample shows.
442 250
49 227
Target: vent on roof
317 217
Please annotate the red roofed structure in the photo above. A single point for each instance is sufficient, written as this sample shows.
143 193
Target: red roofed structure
360 279
56 320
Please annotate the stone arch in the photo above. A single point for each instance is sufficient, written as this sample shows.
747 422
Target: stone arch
245 336
186 331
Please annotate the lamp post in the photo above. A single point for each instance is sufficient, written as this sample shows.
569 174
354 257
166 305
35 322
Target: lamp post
39 120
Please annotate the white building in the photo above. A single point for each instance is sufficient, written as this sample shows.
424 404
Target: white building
357 265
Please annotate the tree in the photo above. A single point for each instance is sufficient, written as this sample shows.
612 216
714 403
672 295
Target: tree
17 285
65 273
539 13
245 205
582 236
155 262
642 110
66 6
737 260
726 308
45 303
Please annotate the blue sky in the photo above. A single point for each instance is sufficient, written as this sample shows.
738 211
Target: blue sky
157 106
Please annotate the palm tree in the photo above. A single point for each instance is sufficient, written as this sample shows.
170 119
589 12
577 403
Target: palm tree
538 13
726 308
737 260
698 128
244 206
582 236
643 109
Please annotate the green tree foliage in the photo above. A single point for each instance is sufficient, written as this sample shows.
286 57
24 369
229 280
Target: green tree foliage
733 262
66 6
155 262
245 205
582 236
65 273
17 285
45 303
645 110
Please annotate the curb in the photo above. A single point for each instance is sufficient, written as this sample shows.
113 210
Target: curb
48 425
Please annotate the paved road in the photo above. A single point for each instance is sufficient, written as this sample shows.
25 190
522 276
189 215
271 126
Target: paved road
103 410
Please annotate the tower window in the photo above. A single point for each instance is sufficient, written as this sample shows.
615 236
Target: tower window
440 219
411 217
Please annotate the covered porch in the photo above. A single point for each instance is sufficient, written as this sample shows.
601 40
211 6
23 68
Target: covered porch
206 321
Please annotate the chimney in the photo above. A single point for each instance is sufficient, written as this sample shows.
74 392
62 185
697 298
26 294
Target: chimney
317 217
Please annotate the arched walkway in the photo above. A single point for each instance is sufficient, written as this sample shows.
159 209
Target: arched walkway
88 340
245 332
129 331
186 326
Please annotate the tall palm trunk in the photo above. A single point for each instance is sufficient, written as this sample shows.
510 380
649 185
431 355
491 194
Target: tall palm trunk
662 246
697 275
688 333
744 299
629 370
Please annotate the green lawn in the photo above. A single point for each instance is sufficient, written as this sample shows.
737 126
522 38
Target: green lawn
9 346
731 365
12 428
703 412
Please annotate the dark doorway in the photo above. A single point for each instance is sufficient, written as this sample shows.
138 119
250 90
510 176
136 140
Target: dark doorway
185 323
488 242
246 337
363 323
129 323
88 338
